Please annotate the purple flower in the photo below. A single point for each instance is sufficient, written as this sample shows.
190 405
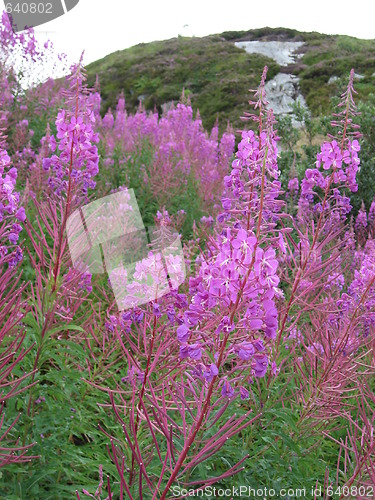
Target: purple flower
222 217
163 217
225 325
245 350
265 267
127 316
184 351
21 215
13 238
258 344
17 257
293 184
198 371
227 390
331 155
183 333
76 142
244 244
260 366
156 310
111 323
210 372
270 319
195 351
244 393
171 314
207 221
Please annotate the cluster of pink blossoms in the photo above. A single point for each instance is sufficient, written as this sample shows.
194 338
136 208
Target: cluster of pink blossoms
180 148
344 163
340 162
350 302
341 165
240 276
10 212
293 184
344 167
78 158
218 284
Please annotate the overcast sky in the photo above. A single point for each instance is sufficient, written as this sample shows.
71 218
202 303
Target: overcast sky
103 26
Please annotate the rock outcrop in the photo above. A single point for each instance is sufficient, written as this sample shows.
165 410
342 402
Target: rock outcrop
283 90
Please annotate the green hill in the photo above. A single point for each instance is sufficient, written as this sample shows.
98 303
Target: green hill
217 75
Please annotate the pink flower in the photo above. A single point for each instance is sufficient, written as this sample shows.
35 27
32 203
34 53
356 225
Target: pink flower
21 215
227 390
260 366
244 244
265 267
244 393
210 372
195 351
245 350
183 333
331 155
293 184
184 351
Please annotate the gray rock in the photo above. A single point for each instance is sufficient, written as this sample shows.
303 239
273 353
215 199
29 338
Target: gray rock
282 92
333 79
281 52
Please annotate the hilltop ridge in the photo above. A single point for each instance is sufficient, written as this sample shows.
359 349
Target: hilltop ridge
217 74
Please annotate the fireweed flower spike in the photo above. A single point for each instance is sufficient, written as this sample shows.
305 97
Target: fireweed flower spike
241 276
77 161
12 311
11 215
71 170
241 270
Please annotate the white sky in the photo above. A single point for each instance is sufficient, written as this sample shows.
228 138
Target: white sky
103 26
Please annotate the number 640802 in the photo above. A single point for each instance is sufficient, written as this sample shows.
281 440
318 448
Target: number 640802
29 8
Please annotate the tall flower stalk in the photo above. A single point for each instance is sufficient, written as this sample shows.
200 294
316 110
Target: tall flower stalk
12 312
71 171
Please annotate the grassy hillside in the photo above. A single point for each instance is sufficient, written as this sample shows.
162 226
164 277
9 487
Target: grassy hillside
217 75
